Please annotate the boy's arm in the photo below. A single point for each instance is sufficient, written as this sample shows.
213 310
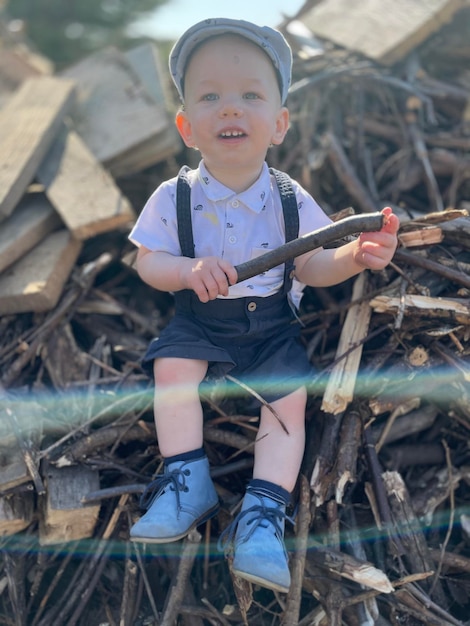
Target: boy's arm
208 277
374 250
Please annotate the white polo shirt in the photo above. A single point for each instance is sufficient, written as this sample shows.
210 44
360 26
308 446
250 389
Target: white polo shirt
233 226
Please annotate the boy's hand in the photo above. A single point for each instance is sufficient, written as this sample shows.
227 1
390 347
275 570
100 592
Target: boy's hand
208 277
375 250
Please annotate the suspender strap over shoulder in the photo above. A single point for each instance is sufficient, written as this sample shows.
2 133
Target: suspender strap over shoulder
289 204
183 213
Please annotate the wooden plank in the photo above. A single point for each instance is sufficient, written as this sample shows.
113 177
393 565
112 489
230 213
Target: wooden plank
28 124
146 63
383 30
30 222
82 191
35 282
114 111
169 143
62 516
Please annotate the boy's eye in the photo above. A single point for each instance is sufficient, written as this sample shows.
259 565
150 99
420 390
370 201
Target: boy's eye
251 95
210 96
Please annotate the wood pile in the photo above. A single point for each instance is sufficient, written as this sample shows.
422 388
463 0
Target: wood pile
382 526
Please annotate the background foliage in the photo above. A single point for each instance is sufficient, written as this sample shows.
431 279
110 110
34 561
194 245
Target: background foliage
67 30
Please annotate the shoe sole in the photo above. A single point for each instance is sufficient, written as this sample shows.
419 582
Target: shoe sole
258 580
208 515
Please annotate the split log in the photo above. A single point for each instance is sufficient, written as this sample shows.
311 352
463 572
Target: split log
334 466
16 512
341 382
62 515
408 528
453 309
13 471
348 567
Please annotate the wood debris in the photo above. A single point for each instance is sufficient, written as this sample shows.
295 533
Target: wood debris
381 535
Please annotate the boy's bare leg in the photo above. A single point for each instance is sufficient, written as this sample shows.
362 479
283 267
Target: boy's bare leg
278 455
178 410
183 495
259 553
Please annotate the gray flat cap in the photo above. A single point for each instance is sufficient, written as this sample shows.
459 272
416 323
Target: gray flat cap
268 39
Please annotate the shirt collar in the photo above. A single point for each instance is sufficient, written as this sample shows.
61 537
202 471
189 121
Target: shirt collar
254 197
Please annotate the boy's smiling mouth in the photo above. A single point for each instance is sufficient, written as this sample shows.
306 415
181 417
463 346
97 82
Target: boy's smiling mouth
229 134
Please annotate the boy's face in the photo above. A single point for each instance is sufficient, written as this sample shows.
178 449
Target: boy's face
233 106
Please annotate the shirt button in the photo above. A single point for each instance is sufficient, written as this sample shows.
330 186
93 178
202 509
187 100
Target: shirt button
235 204
252 306
232 239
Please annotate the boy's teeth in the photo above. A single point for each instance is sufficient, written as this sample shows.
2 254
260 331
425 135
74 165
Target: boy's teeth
232 133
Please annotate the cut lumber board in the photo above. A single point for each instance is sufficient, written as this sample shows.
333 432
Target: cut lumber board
81 190
169 143
16 512
383 30
62 515
146 63
115 112
32 220
35 282
28 124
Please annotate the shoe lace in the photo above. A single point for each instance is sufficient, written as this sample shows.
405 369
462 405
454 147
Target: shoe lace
175 478
261 516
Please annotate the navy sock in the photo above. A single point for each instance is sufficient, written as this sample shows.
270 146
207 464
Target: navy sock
192 455
271 490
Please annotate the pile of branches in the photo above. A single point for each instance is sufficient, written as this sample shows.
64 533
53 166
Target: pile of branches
381 532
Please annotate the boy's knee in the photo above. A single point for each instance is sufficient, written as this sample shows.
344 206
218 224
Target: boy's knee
174 371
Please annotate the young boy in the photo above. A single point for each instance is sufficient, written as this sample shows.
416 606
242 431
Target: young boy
233 78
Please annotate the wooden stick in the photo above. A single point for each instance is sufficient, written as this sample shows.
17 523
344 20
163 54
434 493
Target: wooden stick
292 612
177 590
316 239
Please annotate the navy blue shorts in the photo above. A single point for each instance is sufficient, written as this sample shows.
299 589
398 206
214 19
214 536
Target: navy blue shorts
255 340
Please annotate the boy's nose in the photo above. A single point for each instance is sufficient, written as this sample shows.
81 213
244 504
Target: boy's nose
230 108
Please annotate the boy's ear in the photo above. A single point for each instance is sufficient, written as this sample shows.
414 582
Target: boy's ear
282 126
184 128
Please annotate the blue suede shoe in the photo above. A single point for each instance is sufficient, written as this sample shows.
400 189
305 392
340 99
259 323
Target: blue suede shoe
177 501
257 539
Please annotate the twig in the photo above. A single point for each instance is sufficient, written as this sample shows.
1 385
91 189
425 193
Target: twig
256 395
460 278
176 592
311 241
294 598
451 518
